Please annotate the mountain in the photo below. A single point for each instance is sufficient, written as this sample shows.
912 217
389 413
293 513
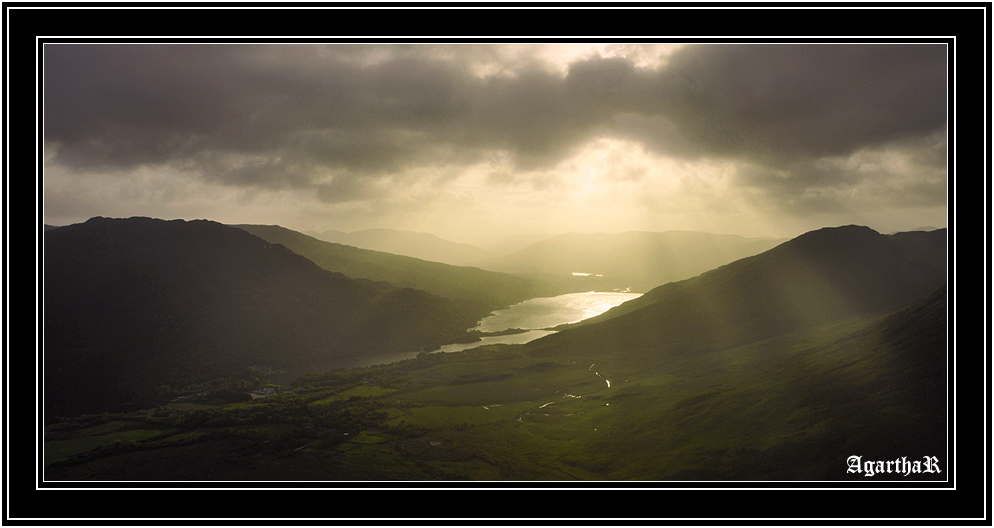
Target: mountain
637 260
792 407
486 289
133 304
409 243
512 243
779 366
813 279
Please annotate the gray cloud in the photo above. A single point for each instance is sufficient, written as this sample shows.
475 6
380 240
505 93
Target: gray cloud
910 173
778 103
300 116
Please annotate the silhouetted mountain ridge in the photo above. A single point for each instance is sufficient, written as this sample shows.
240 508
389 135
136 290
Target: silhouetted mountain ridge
134 303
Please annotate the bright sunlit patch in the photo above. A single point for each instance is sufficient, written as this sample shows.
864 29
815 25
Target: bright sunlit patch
588 186
507 60
597 303
607 185
547 312
560 56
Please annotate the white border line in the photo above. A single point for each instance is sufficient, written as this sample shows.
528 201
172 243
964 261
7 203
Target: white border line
37 41
986 431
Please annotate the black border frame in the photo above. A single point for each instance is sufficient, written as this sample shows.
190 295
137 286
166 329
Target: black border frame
27 500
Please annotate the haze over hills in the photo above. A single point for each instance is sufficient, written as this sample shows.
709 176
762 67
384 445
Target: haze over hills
813 279
637 260
487 289
132 304
409 243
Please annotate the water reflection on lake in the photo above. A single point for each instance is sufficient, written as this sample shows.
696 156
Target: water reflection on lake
541 313
533 315
547 312
512 339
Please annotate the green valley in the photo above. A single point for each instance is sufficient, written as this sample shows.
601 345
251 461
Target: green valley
792 407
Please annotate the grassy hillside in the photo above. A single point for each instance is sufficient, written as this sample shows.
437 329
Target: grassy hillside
790 408
489 290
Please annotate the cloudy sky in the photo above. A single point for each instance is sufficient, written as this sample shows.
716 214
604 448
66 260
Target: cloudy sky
474 141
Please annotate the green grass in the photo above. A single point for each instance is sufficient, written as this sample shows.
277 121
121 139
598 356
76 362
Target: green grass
100 436
362 391
790 407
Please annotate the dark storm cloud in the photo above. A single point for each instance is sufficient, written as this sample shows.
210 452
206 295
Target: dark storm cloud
288 115
775 103
114 105
123 106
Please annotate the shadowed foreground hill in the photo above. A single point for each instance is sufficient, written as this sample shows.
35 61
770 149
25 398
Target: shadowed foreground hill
813 279
132 304
487 289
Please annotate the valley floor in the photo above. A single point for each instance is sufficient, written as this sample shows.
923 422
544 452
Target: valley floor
791 408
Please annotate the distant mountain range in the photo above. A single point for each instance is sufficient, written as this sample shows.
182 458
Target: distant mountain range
408 243
134 304
637 260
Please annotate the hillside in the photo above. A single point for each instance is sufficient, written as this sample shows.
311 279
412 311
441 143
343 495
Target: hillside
409 243
793 407
134 305
637 260
776 367
486 289
813 279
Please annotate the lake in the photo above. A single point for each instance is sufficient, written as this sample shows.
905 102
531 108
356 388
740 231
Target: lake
534 315
539 314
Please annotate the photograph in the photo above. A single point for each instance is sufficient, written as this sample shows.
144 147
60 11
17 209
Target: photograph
671 263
